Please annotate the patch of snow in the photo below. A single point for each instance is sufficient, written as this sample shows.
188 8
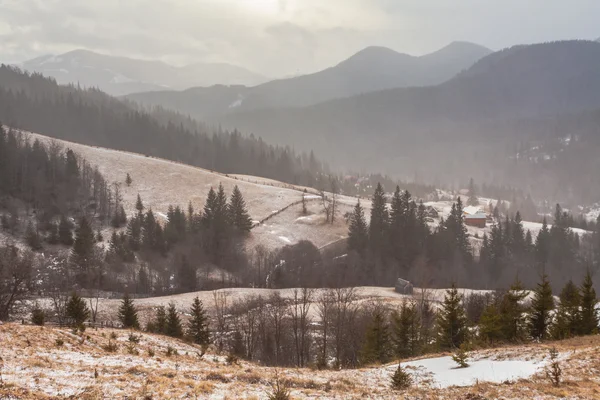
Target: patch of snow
237 103
285 239
442 371
162 215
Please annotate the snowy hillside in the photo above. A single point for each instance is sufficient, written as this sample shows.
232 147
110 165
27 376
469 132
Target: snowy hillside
161 183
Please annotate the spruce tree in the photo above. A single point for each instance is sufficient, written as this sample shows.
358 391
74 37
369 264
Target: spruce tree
567 321
128 180
128 314
589 315
376 347
198 325
401 379
357 232
65 235
490 324
160 320
473 200
542 246
83 246
33 238
542 305
451 321
406 330
77 310
173 327
238 213
512 318
139 206
378 226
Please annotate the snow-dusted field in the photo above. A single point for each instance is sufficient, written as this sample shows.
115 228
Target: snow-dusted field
53 363
161 183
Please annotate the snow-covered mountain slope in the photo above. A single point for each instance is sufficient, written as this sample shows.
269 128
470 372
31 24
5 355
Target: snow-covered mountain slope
162 183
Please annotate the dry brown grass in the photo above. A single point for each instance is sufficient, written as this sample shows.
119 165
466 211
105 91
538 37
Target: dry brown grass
36 369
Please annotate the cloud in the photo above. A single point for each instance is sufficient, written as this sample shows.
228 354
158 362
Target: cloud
280 37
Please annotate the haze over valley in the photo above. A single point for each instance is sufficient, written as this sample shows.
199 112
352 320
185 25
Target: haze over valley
268 199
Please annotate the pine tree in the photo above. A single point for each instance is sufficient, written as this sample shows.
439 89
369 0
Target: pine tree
542 305
512 319
238 212
473 200
198 325
376 347
378 225
128 314
65 235
128 180
406 329
589 315
490 324
401 379
452 321
139 205
357 232
77 310
160 320
32 237
460 357
542 246
567 321
84 244
173 327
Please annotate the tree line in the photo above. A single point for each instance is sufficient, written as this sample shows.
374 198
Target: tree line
334 328
401 242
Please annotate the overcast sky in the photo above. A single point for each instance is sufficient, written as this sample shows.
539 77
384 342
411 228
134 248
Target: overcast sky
281 37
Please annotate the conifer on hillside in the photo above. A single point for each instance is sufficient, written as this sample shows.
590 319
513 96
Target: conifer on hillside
589 314
542 305
198 325
452 321
128 313
238 213
173 327
357 232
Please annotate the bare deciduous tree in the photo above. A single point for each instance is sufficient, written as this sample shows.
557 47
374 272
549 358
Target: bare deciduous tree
300 319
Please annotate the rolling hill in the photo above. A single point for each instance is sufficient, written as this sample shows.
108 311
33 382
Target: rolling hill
161 183
121 75
371 69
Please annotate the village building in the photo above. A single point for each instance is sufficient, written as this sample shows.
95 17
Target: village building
474 216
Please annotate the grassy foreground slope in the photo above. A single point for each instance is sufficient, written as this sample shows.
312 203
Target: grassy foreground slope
52 363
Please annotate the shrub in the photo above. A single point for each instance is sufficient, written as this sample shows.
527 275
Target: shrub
460 357
279 390
59 342
38 316
111 347
401 379
554 371
150 352
171 351
131 349
133 338
113 335
232 359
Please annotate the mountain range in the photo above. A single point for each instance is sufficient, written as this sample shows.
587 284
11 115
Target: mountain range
372 69
121 75
471 125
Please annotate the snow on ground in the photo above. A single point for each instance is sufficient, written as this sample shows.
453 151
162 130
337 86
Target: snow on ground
442 372
37 366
